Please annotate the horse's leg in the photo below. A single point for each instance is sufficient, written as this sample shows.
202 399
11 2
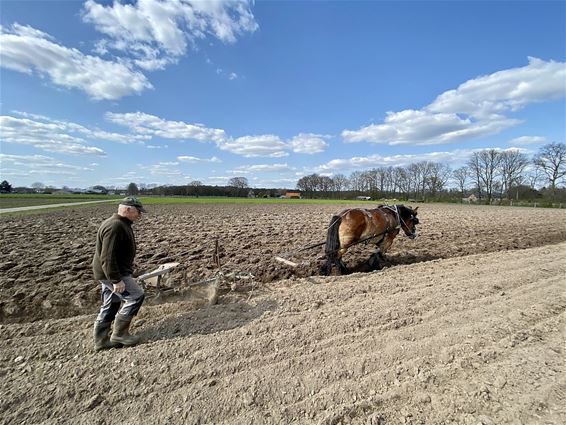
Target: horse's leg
332 259
341 266
384 247
327 267
373 261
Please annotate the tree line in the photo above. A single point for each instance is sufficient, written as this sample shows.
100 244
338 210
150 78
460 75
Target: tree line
489 174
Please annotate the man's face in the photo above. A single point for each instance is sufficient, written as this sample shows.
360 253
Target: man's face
134 214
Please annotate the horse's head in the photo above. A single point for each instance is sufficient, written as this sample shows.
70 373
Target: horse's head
408 220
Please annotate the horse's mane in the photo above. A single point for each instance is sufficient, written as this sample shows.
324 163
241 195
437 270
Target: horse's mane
401 209
391 206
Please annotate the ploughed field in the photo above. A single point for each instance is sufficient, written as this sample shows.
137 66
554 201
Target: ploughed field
45 262
465 325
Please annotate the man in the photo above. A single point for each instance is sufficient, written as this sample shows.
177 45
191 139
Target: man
113 265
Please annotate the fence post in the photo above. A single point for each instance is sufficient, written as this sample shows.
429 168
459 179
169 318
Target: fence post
535 205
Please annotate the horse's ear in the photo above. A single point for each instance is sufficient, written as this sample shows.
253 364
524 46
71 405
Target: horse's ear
415 210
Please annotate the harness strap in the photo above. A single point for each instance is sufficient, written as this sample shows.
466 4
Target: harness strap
400 221
342 214
397 215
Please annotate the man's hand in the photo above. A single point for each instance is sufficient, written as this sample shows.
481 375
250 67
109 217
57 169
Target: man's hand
119 287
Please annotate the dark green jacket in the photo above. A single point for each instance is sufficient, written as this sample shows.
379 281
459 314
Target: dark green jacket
115 249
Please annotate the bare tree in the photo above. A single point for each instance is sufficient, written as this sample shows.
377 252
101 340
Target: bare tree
308 184
402 181
325 184
389 181
132 189
418 174
367 181
356 183
38 186
534 176
512 165
484 165
475 172
438 175
461 176
194 188
413 176
238 182
551 160
340 182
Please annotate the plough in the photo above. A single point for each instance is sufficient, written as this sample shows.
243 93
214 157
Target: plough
158 287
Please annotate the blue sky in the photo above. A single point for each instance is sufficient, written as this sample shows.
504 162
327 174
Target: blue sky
167 92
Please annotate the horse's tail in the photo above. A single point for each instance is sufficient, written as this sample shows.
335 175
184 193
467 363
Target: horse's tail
332 237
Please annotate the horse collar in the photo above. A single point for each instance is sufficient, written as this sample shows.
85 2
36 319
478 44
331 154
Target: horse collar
397 215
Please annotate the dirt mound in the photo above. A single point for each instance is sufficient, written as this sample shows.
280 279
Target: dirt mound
469 340
45 268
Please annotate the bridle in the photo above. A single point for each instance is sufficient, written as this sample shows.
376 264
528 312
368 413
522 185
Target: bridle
401 222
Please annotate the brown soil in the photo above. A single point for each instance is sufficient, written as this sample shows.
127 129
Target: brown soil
45 269
462 338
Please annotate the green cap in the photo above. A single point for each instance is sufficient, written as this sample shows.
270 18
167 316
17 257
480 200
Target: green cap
133 201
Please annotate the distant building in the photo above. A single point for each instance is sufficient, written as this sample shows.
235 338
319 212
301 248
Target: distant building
470 199
363 198
293 195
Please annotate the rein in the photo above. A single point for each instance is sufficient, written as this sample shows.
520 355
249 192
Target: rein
306 248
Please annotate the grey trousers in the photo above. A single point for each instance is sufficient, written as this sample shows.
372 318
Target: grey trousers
127 303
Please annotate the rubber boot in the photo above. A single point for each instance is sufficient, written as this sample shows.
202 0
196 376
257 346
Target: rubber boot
102 337
121 334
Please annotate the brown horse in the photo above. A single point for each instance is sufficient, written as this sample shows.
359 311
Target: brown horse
380 225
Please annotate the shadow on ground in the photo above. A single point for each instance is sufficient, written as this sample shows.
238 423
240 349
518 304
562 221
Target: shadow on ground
209 320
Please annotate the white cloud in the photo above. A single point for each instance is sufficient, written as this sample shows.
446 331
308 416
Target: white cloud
274 183
371 161
57 136
158 32
194 159
476 108
124 179
216 180
266 145
36 165
142 123
507 90
425 128
166 169
87 132
262 168
527 140
232 76
51 137
309 143
26 49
